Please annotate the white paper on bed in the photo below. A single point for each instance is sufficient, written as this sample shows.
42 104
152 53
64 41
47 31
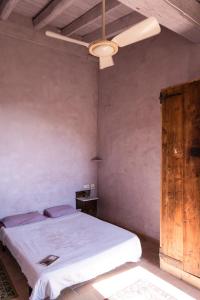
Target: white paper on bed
86 246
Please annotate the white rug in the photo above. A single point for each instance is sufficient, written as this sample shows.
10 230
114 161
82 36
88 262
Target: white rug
142 290
138 284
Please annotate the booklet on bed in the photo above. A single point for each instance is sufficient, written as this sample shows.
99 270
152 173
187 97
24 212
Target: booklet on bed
48 260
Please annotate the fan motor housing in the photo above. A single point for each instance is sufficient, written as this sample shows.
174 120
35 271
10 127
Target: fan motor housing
102 48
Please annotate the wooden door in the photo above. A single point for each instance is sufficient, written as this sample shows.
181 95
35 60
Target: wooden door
172 175
191 262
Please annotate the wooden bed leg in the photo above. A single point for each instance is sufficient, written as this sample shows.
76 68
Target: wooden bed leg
29 290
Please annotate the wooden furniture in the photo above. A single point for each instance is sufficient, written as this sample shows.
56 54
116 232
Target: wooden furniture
180 207
86 203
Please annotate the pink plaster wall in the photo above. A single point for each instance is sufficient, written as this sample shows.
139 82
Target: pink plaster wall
130 127
48 125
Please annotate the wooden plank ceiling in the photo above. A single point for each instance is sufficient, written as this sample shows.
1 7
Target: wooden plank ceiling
83 18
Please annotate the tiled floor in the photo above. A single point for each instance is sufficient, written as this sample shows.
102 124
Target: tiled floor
86 291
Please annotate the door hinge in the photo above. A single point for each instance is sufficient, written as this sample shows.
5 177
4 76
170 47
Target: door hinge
164 96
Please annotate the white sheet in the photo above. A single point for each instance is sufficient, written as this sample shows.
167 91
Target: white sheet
87 247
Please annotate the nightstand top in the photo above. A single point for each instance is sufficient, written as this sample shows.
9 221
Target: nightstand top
84 199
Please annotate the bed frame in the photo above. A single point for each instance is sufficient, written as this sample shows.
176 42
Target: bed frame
4 249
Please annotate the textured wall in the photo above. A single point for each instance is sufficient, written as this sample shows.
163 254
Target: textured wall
130 125
48 116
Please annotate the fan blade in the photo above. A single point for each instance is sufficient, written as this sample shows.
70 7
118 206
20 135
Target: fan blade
105 62
138 32
65 38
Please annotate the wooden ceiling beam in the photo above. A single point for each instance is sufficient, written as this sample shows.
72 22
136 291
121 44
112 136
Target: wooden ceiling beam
50 12
89 17
6 8
180 16
115 27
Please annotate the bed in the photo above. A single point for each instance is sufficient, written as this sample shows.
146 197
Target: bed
86 246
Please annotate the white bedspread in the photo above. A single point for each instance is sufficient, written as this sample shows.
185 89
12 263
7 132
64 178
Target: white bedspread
86 246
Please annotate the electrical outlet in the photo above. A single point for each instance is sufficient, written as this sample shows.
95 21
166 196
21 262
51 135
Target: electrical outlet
92 186
86 186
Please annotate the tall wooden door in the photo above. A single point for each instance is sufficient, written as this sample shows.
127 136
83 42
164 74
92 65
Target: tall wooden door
180 208
172 177
191 238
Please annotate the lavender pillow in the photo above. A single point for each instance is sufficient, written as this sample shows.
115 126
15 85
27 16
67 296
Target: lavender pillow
59 211
22 219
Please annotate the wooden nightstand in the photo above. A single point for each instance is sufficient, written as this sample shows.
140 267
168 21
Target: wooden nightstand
87 205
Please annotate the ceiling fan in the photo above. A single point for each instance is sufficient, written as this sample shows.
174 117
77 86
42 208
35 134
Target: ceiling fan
105 49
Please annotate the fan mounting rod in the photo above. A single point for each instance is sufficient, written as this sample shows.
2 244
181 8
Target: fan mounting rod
103 19
103 47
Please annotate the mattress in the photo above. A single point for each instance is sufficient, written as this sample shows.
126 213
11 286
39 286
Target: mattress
86 246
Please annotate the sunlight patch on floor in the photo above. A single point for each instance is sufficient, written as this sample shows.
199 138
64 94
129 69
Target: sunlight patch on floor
108 287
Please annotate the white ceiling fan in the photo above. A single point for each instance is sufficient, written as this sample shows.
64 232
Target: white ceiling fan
105 49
